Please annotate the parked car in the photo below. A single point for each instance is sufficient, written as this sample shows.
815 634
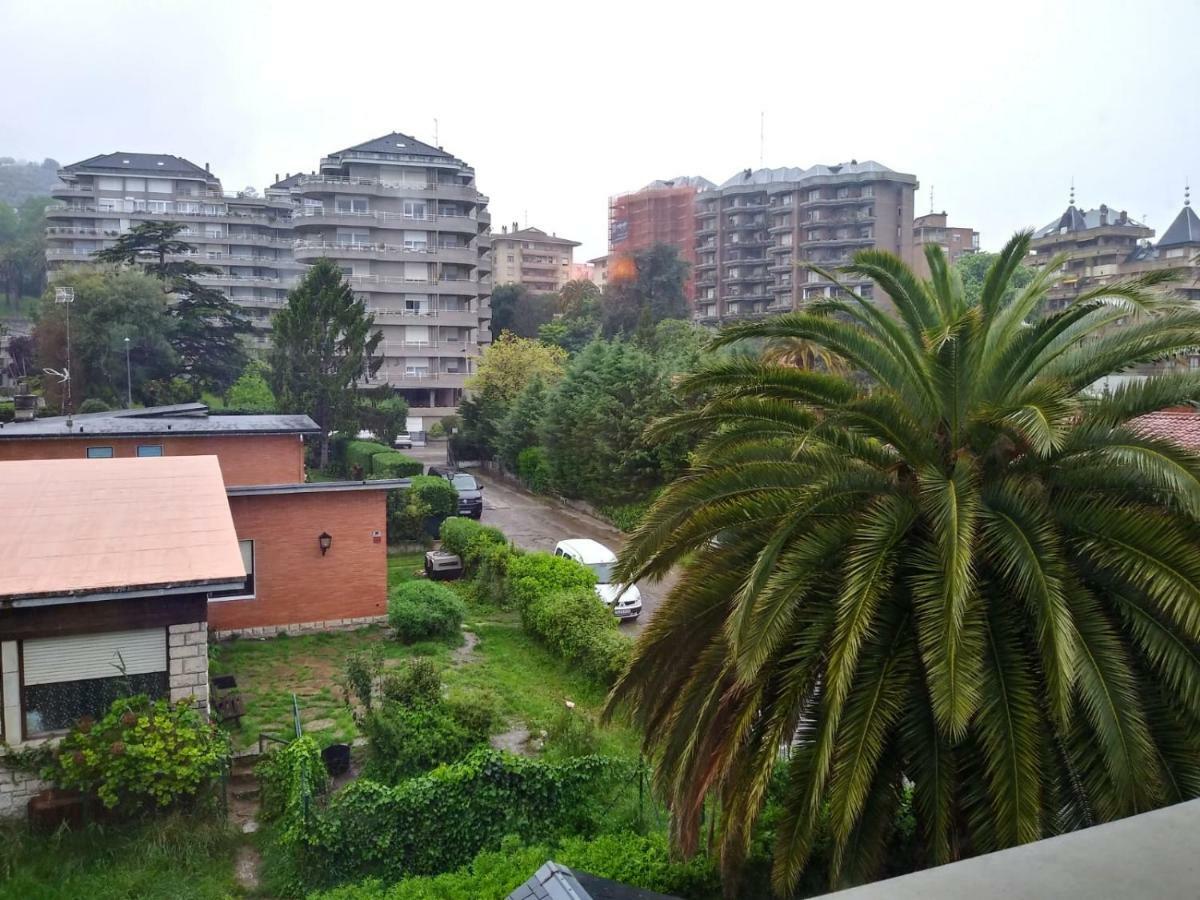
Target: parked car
403 441
470 494
625 600
446 472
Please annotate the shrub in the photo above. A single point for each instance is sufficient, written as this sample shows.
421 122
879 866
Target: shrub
93 405
576 625
491 564
290 775
533 575
406 516
359 455
362 668
437 431
627 857
572 733
393 464
419 610
533 468
438 493
474 709
439 821
628 516
415 683
407 741
466 538
142 754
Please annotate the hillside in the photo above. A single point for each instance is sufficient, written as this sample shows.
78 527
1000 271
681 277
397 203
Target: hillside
20 180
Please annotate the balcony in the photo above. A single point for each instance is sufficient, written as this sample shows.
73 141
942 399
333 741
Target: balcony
836 241
343 184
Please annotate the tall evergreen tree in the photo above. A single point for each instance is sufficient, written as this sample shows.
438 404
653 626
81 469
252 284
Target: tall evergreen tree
209 327
323 346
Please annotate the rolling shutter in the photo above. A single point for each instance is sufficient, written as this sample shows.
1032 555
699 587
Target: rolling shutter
83 656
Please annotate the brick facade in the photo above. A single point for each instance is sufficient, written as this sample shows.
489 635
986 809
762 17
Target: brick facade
245 458
294 583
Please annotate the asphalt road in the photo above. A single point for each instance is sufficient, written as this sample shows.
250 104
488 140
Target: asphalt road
538 523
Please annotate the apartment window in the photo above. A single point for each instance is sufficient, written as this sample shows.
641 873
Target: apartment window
99 452
416 240
843 193
150 450
66 678
347 271
189 207
352 204
415 209
813 234
212 231
868 191
814 194
246 591
510 257
159 206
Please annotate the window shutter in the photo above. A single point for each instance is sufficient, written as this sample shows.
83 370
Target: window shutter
79 657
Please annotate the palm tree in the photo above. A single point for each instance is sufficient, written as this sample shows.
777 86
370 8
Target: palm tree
963 574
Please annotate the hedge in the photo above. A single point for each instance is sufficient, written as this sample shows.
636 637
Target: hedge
394 464
627 857
359 455
576 625
458 533
440 821
534 575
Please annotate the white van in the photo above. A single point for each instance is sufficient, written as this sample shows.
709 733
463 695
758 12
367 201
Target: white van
624 600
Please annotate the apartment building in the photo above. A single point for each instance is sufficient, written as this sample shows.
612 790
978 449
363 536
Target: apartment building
246 239
932 228
409 228
757 230
542 262
662 212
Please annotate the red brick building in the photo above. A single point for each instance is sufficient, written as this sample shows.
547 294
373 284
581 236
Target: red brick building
315 555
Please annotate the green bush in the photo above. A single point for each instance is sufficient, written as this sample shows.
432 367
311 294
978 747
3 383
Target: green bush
491 564
474 709
406 741
437 822
406 516
626 517
393 464
466 538
576 625
359 455
93 405
533 468
288 775
420 610
142 754
627 857
438 493
533 575
415 683
437 431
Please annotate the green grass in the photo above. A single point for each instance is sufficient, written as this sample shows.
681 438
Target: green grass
404 567
178 857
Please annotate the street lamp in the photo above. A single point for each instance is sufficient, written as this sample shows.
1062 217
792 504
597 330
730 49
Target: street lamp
128 379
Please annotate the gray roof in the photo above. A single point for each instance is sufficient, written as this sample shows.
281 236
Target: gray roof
793 175
398 143
187 419
533 234
1148 855
556 882
1183 231
317 487
1074 219
697 181
142 164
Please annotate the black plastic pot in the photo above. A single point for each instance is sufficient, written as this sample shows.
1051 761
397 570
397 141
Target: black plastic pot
337 759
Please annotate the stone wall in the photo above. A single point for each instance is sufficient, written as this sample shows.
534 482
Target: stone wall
267 631
187 662
16 790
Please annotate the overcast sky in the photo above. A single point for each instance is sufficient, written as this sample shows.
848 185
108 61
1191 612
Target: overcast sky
559 105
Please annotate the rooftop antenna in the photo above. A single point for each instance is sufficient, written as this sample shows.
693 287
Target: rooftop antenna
931 199
1187 193
435 132
66 296
1072 190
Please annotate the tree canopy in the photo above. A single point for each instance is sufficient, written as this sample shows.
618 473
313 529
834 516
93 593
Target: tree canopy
957 571
323 348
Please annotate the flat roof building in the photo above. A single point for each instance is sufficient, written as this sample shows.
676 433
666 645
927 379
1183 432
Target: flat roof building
528 256
932 228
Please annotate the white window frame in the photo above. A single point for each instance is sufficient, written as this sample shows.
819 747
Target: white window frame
251 577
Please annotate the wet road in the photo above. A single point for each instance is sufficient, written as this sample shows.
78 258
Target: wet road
538 523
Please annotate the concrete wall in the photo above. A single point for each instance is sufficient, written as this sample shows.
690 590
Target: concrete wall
294 583
244 459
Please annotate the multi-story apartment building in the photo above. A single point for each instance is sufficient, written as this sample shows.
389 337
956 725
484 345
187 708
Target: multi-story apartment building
932 228
756 231
663 212
245 239
542 262
1098 245
409 228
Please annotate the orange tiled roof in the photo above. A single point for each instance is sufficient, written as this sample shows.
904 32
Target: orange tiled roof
1180 424
80 526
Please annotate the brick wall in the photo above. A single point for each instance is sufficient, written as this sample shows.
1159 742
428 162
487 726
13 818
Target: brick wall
294 583
245 459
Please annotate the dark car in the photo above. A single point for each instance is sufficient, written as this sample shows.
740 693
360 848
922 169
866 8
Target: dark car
470 491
